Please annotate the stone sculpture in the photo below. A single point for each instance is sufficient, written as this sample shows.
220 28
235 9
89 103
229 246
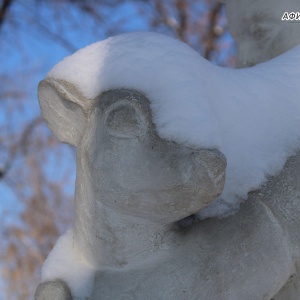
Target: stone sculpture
263 30
134 187
260 29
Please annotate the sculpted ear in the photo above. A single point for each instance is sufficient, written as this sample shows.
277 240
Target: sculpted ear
125 118
62 108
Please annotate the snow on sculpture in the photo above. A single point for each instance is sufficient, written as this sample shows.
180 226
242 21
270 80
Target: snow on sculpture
263 30
250 115
149 118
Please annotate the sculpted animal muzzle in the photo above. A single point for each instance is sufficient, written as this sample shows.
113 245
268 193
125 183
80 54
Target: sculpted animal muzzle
212 162
203 177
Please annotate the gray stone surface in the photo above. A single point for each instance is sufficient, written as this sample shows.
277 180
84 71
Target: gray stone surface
282 195
258 30
131 189
54 290
260 35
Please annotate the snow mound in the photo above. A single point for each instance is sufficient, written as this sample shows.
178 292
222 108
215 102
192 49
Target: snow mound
71 267
252 115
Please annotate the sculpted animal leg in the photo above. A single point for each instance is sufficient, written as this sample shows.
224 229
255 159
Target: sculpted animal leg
281 194
291 290
53 290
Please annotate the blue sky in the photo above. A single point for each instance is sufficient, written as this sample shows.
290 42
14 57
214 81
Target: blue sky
27 53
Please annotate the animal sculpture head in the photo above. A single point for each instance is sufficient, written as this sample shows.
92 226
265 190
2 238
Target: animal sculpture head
131 168
180 98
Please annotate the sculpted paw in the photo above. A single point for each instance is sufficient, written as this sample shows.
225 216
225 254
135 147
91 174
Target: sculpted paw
53 290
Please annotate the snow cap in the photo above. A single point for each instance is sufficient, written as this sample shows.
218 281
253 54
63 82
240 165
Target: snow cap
167 71
252 115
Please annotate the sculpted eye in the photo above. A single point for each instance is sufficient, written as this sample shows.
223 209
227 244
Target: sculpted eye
125 120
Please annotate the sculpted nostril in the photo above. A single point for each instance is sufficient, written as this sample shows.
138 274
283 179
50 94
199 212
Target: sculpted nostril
214 163
203 165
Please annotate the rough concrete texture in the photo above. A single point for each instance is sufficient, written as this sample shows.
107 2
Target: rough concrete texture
258 30
281 195
55 290
261 34
131 189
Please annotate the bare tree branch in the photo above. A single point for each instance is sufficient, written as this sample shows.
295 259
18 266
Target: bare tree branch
212 34
182 8
4 9
57 38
